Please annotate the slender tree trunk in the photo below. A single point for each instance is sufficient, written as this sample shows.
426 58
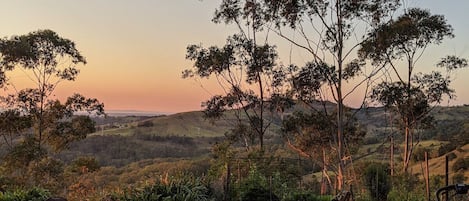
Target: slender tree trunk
409 108
406 148
262 131
392 154
340 102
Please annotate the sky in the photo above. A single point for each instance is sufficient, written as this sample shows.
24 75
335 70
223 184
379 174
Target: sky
135 49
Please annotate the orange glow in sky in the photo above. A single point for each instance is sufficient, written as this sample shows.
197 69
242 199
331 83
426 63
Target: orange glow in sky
136 49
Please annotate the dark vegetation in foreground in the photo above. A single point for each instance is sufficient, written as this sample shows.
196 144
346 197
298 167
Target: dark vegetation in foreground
148 166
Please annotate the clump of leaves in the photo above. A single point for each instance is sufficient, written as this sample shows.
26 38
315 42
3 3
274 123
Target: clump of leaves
34 194
186 188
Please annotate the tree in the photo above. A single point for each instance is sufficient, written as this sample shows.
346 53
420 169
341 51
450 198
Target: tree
413 95
325 28
34 123
247 71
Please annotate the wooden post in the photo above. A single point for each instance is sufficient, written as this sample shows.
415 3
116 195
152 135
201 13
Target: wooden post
447 176
227 185
427 178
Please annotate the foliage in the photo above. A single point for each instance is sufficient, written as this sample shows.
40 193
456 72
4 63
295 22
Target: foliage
311 135
183 189
117 150
377 181
406 187
249 75
459 178
461 164
445 148
306 196
34 124
84 164
34 194
419 154
330 66
411 97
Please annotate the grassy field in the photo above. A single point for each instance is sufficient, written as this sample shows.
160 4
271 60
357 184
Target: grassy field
437 165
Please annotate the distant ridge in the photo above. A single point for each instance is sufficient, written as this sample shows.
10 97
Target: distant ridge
123 113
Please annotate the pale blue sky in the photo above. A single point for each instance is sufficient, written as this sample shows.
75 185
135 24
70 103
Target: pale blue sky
136 48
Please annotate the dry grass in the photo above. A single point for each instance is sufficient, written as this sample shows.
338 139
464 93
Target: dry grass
437 165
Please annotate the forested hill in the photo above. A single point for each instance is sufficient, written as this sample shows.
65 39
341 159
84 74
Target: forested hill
194 124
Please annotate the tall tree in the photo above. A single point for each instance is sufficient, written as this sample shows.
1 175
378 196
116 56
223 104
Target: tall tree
328 30
35 123
413 95
246 69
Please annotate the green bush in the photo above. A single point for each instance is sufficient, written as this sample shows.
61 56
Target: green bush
444 149
306 196
35 194
258 194
407 187
419 154
185 189
377 181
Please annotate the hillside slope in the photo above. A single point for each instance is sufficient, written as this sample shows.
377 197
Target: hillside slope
437 165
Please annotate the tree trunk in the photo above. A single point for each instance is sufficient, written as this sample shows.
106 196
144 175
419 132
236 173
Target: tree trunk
340 101
406 149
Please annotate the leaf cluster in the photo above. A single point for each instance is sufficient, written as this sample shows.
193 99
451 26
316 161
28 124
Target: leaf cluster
414 30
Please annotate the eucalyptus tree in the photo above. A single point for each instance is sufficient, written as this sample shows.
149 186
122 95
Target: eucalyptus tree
247 71
328 31
412 94
35 123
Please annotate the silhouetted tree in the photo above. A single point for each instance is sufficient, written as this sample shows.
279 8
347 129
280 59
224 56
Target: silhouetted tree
413 95
246 68
35 123
324 29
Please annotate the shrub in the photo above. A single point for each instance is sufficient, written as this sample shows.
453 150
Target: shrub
459 178
377 181
407 187
461 164
452 156
258 194
84 164
419 154
444 149
306 196
34 194
187 189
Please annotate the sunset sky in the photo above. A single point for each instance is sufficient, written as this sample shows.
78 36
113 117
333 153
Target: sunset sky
136 48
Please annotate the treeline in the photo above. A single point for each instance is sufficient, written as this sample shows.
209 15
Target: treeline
117 150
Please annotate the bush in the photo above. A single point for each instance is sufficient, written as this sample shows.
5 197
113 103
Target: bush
258 194
461 164
407 187
377 181
419 154
459 178
306 196
187 189
35 194
452 156
84 164
444 149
